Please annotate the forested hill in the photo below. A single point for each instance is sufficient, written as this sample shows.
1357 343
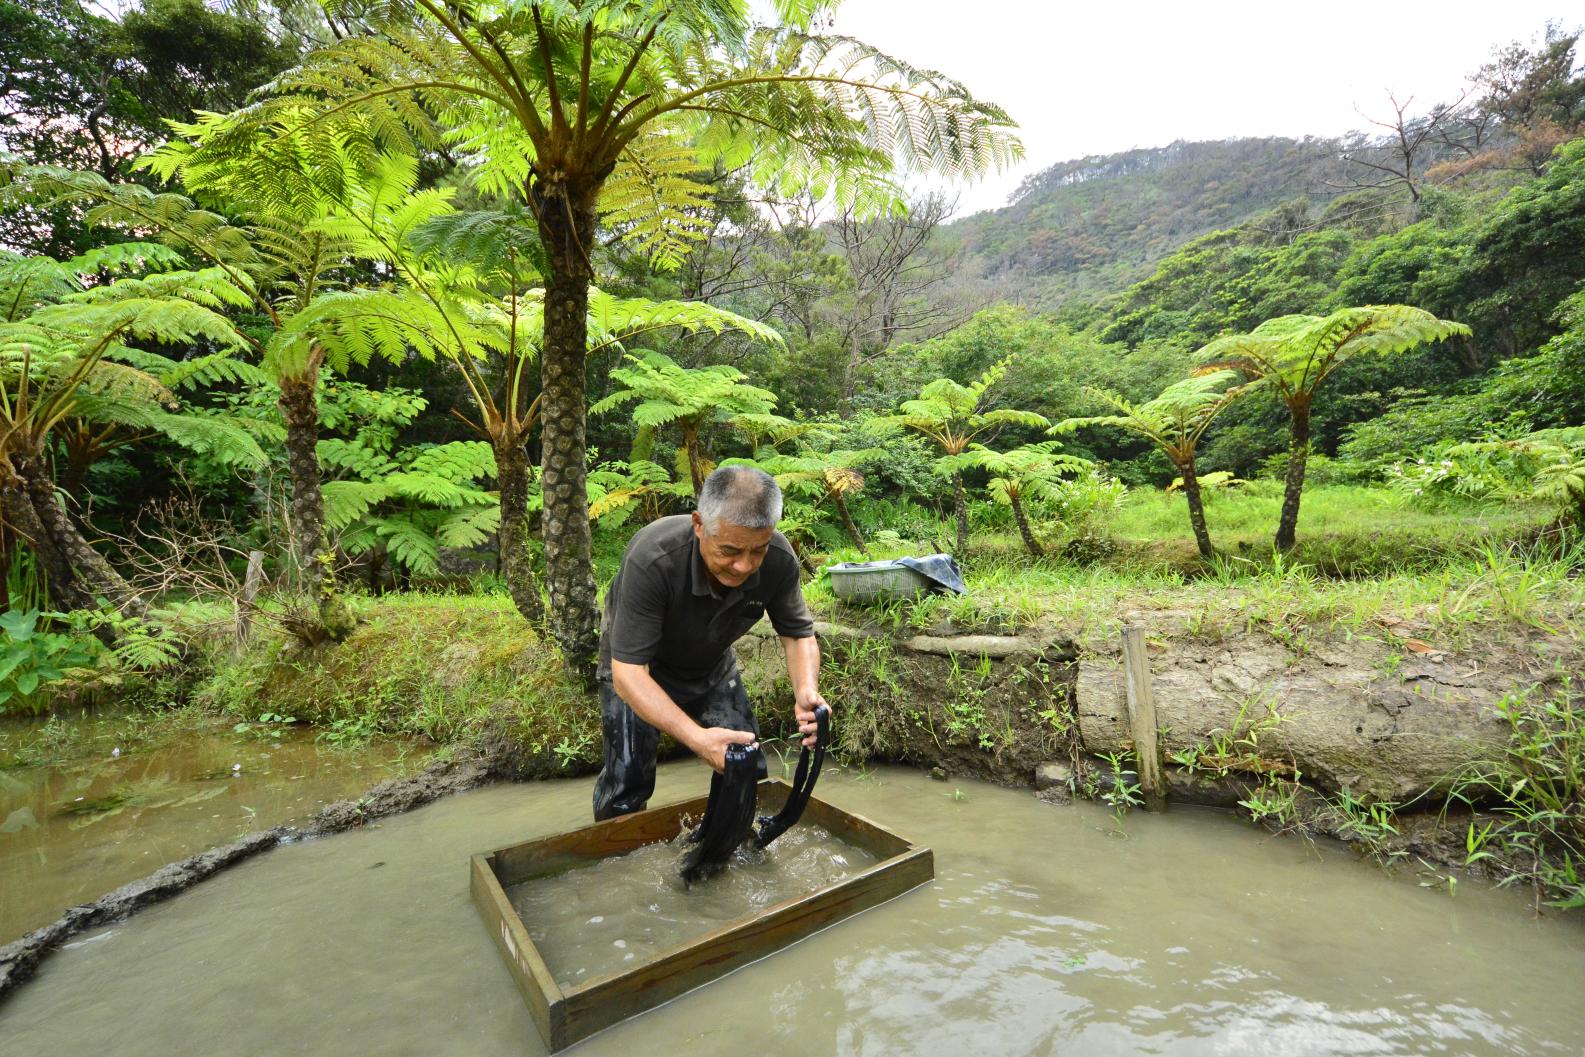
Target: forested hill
1096 224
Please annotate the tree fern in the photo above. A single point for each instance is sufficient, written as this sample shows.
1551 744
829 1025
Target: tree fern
1174 421
1293 355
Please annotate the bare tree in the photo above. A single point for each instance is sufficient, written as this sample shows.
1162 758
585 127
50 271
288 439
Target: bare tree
895 278
1402 156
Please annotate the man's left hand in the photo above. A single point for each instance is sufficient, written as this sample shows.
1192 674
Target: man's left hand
804 713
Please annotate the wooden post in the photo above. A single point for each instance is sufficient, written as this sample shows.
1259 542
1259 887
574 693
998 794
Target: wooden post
250 590
1142 718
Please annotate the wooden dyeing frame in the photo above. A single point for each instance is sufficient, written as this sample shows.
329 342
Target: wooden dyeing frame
568 1016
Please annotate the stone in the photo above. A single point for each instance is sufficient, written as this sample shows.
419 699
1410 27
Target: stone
1054 773
938 773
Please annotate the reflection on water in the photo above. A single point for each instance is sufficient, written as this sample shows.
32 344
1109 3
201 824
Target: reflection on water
625 910
71 833
1046 932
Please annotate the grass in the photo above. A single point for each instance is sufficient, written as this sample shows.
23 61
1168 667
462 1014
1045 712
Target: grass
1478 590
444 667
1344 530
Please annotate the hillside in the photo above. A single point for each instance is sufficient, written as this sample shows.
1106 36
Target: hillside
1096 224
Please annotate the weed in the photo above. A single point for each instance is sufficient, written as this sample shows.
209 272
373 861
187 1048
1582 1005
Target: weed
1537 788
1120 788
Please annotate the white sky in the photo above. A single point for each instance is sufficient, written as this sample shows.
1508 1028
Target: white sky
1109 75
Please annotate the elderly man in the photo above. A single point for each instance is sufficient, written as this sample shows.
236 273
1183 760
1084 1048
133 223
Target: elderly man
688 588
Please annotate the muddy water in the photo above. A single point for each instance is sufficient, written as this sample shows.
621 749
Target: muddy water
73 832
584 933
1044 933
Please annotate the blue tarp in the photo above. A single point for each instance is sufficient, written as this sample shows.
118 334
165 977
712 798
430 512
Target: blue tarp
939 569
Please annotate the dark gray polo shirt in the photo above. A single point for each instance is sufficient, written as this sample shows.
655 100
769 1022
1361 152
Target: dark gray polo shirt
662 610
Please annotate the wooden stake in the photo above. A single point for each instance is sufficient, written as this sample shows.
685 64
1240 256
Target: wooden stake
1142 718
250 590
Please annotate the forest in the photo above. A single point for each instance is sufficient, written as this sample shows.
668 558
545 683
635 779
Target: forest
397 321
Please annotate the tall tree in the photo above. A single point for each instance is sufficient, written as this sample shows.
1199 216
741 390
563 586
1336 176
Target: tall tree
1174 421
1293 355
952 416
300 225
607 108
462 287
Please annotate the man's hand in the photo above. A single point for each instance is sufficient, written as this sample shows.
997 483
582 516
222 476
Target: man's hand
709 744
804 713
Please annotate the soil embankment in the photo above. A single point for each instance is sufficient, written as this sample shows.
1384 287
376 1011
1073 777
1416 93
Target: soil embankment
1346 713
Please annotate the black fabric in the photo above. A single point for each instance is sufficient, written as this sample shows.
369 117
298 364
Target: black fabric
773 826
728 815
661 609
627 779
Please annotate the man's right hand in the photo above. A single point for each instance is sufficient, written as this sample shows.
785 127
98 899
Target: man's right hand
710 743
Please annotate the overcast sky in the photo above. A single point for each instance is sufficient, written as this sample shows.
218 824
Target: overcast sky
1109 75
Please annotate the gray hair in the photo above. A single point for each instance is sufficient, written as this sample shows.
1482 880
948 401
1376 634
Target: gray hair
739 495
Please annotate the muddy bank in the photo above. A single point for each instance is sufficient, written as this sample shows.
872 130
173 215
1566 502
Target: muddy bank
1364 714
19 960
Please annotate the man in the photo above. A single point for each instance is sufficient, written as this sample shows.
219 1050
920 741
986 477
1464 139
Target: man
689 587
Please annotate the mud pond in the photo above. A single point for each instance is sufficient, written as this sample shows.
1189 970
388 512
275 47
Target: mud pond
1046 931
70 833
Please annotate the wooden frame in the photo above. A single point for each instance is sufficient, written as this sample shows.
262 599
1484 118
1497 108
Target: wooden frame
568 1016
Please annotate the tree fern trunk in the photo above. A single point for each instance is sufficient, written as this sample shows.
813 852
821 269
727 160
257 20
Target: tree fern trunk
514 537
690 443
1191 492
960 508
1298 452
95 571
566 226
66 589
847 523
299 405
1023 525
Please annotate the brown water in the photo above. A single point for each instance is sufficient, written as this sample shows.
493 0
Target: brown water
586 922
1044 933
71 833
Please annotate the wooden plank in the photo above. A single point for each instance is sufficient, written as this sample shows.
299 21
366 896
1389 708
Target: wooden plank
1142 717
566 1017
618 836
602 840
613 998
533 977
856 829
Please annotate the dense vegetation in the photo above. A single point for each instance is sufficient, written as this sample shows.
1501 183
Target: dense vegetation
466 292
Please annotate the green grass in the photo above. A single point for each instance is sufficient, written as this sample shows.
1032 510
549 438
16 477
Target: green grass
1343 529
1479 590
443 667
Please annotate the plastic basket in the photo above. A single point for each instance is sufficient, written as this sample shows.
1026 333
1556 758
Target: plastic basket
882 580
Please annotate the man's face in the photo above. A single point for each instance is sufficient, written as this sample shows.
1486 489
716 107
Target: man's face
731 553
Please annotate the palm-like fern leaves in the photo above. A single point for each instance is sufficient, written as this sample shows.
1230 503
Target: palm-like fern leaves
1174 420
1294 354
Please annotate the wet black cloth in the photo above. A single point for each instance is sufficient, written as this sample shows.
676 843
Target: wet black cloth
803 783
663 611
728 815
627 780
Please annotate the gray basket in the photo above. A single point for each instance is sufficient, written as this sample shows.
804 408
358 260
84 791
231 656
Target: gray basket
876 581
